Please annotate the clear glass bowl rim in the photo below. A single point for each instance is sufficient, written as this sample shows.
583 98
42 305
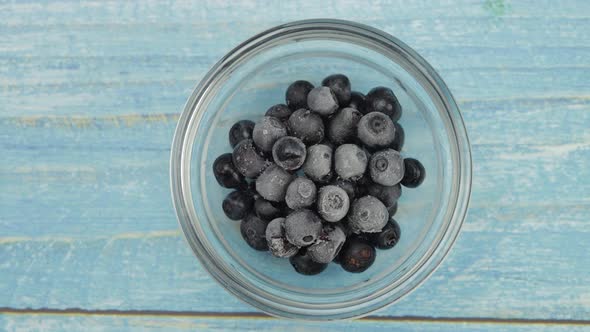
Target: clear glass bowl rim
180 162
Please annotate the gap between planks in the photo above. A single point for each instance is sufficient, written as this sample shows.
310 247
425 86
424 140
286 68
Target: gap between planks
257 315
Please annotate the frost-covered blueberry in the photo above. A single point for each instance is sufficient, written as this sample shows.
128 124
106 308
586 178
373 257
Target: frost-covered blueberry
301 193
318 163
328 245
376 130
267 131
386 167
248 160
367 215
279 111
307 126
322 100
342 127
277 241
289 152
273 182
350 161
302 227
333 203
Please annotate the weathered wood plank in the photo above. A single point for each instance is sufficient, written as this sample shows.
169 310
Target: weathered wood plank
40 322
519 262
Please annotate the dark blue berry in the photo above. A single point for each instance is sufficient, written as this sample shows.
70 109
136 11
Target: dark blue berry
388 237
238 204
279 111
289 153
226 174
357 101
296 95
253 230
340 85
382 99
342 126
387 195
240 131
414 173
307 126
392 210
357 255
268 210
348 187
399 137
302 263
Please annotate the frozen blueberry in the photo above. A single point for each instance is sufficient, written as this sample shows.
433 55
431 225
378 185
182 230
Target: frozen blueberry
226 173
303 264
328 245
302 227
340 84
322 100
367 215
253 230
267 210
388 195
301 193
357 255
237 205
333 203
296 95
376 130
342 126
279 111
357 101
277 242
240 131
273 182
307 126
267 131
382 99
399 137
362 184
388 237
414 173
392 210
350 161
289 153
318 164
348 187
248 160
386 167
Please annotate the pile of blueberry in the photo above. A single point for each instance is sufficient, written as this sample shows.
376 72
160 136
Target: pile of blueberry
317 180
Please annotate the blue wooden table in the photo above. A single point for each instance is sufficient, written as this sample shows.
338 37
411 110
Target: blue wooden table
89 97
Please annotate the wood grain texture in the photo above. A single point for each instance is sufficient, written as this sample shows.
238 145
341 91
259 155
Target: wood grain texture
75 322
90 93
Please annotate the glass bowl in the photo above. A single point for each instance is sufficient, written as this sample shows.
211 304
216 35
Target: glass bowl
253 77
